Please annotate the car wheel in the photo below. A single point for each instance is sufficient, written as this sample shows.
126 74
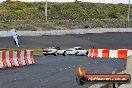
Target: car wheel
77 53
87 53
81 80
55 54
45 54
64 54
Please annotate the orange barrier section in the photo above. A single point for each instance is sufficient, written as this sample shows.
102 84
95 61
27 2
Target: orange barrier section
4 59
18 58
122 54
110 53
15 58
105 53
31 57
91 53
25 58
95 53
11 58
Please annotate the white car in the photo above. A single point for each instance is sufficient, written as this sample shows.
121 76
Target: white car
76 51
54 51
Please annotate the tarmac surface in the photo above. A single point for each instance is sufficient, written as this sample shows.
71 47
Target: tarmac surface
57 72
60 71
102 40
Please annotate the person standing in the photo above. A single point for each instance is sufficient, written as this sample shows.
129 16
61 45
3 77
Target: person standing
15 36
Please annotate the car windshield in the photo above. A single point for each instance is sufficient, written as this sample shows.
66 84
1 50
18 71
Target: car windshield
69 50
51 48
58 48
77 48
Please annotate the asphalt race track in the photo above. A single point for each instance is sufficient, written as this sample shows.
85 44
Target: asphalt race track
107 40
56 72
60 71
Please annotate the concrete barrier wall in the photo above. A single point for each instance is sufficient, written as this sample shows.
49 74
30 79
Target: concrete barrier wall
16 58
62 32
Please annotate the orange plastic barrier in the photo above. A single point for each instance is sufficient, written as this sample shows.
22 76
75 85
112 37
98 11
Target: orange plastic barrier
91 53
4 59
95 53
108 53
31 57
11 58
16 58
25 58
105 53
122 54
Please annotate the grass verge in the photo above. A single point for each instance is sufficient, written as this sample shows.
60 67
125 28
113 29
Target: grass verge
37 51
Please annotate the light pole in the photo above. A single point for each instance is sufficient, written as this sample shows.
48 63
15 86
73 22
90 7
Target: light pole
46 11
129 12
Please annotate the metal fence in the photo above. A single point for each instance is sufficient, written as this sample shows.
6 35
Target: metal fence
70 24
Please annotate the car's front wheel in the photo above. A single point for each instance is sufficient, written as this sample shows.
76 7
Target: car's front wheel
45 54
87 53
55 54
64 54
77 53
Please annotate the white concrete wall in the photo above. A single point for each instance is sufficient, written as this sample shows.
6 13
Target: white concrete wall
62 32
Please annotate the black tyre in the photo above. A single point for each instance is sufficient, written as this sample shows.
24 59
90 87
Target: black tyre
80 81
77 53
45 54
55 54
64 54
87 53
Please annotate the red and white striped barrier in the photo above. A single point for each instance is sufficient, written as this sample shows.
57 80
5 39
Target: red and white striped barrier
16 58
109 53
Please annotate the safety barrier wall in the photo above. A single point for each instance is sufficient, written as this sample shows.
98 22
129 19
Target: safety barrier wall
109 53
16 58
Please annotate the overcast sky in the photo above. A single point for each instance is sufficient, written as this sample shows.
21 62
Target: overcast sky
98 1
